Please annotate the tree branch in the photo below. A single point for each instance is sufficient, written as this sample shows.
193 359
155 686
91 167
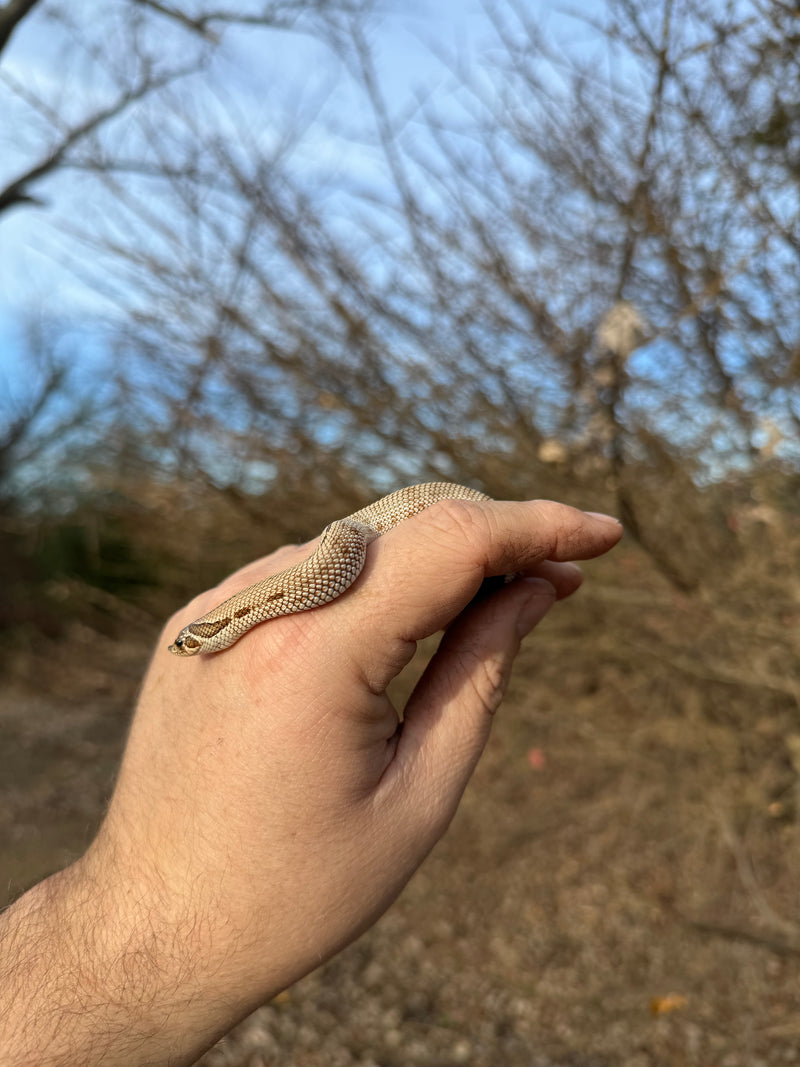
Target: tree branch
16 192
11 14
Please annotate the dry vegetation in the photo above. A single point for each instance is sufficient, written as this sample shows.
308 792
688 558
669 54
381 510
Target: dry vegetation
581 283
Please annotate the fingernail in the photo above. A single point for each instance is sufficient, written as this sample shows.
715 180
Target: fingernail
540 600
602 517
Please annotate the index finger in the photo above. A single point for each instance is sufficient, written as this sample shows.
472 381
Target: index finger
422 573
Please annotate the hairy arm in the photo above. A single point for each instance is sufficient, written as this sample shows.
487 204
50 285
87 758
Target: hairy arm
99 969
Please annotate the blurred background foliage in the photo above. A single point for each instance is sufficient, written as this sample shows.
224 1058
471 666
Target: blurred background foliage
567 267
566 270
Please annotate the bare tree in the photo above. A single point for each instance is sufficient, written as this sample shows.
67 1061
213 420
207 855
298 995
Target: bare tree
453 316
470 288
119 68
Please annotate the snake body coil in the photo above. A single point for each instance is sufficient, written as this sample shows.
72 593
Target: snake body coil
324 576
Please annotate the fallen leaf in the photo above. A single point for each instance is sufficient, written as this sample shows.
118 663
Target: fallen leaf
537 759
664 1005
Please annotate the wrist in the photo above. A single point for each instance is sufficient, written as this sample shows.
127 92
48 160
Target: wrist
107 970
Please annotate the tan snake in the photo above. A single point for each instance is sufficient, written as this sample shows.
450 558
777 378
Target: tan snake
326 574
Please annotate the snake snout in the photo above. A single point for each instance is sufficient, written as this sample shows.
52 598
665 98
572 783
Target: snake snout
184 645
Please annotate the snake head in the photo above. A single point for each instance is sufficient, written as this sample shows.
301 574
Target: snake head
203 636
185 644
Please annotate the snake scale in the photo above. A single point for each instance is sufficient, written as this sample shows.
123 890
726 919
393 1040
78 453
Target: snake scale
326 574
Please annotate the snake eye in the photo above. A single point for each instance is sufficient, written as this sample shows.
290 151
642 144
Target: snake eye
179 642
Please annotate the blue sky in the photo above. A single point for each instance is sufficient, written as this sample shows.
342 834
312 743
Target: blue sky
266 72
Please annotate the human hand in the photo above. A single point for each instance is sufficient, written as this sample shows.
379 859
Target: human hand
269 808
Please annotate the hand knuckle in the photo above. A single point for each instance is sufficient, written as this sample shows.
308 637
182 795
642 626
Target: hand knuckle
488 679
461 521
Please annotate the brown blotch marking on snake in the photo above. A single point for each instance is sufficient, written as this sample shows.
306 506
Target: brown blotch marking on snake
240 614
275 596
208 629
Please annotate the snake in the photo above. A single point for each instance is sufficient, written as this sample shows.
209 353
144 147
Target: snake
327 573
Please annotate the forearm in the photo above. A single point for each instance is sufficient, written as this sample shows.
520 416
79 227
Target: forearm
90 974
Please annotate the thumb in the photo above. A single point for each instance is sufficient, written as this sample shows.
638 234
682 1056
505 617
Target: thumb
449 716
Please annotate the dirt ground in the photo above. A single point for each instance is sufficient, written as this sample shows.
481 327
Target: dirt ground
618 889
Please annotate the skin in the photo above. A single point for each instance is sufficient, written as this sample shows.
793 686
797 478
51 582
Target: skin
268 807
